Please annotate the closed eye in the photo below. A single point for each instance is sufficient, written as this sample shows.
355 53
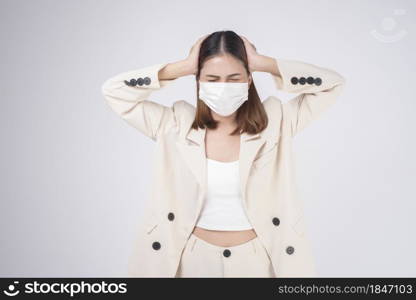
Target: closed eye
230 79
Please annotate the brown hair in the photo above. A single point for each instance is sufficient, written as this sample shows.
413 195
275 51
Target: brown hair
251 116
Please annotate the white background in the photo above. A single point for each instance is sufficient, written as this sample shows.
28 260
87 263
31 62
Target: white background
74 176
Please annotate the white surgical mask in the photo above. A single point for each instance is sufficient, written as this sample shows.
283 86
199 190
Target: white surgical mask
223 97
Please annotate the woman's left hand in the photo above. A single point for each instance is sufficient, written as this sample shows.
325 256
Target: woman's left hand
252 55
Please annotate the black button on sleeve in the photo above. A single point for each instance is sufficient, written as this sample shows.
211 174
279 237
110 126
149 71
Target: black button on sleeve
140 81
302 80
290 250
171 216
133 82
310 80
294 80
276 221
156 245
146 80
318 81
226 253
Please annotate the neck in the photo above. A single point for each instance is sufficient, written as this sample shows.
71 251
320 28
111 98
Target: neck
225 122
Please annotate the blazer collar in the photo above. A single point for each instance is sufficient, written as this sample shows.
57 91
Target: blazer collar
198 136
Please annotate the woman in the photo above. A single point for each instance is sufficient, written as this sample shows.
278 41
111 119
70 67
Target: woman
223 200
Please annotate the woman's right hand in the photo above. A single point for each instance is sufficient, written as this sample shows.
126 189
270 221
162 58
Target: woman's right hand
193 56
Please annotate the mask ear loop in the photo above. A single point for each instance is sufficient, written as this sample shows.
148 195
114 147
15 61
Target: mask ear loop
250 82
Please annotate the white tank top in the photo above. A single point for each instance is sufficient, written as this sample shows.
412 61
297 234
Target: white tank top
223 208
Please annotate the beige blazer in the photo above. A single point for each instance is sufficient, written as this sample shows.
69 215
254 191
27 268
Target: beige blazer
179 174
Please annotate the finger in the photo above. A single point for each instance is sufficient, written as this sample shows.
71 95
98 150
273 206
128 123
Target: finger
248 43
245 39
202 37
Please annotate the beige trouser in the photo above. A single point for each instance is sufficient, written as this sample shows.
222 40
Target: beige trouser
203 259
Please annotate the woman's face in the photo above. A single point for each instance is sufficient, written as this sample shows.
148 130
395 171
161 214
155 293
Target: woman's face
224 68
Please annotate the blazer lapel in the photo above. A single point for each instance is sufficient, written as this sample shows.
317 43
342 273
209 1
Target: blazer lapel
192 148
249 146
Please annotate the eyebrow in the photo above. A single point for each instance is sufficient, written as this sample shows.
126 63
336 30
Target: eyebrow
216 76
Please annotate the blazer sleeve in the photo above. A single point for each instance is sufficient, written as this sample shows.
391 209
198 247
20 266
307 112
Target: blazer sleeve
127 94
318 87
